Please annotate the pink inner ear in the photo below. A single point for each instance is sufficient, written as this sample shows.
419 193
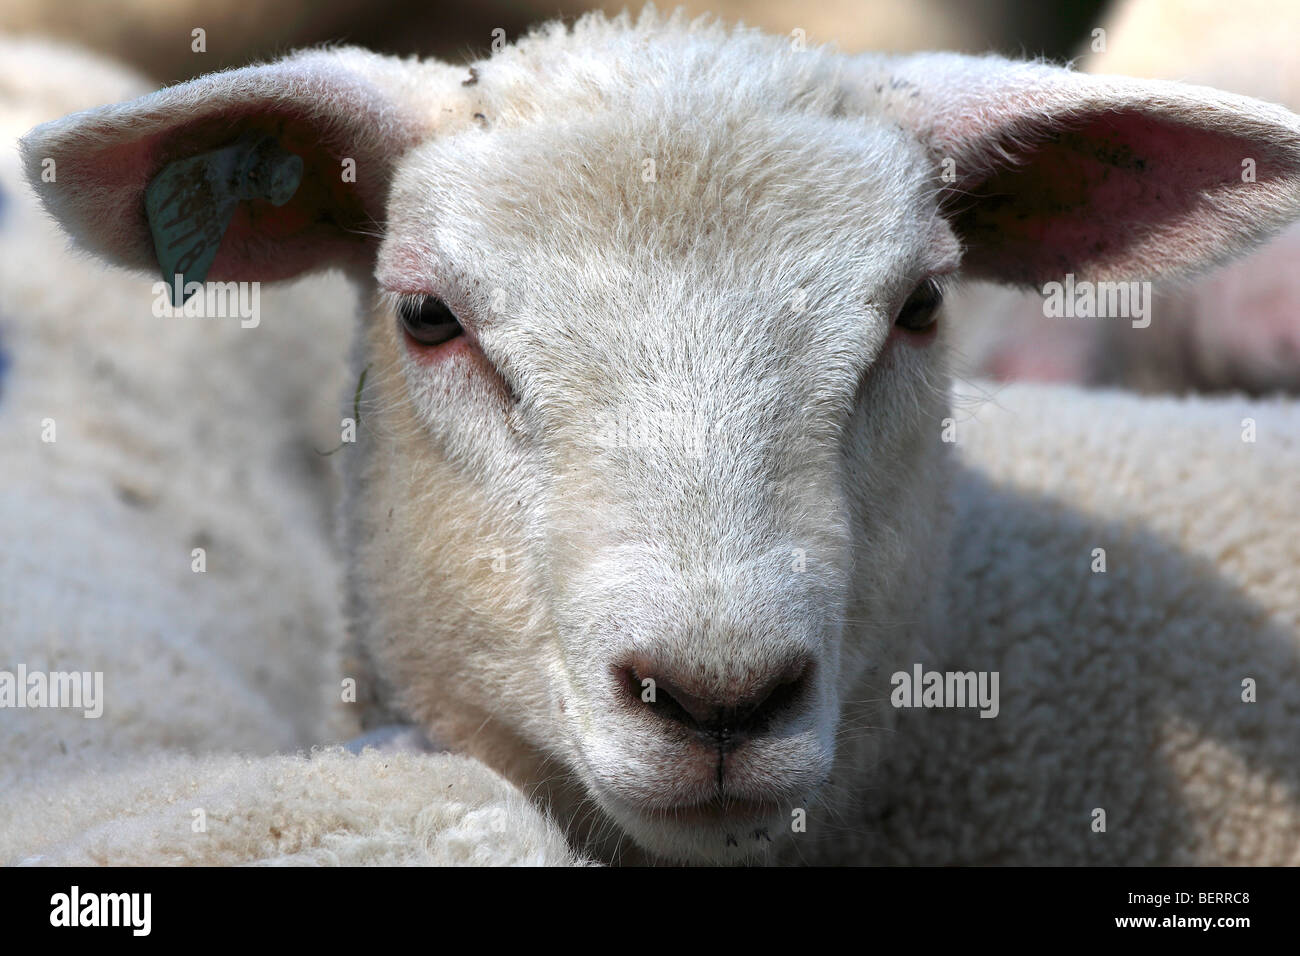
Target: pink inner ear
1120 195
325 222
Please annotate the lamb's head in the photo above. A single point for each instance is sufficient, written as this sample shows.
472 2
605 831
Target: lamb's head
653 433
650 482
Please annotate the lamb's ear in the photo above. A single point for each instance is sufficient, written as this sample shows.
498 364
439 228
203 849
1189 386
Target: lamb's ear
1049 171
328 107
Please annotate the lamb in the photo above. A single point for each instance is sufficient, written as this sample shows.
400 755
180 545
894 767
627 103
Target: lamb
658 490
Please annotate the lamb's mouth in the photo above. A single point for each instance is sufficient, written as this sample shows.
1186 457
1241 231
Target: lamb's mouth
701 824
721 810
713 831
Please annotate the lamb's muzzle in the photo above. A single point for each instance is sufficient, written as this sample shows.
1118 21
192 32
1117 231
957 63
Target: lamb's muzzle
718 739
714 772
726 731
724 717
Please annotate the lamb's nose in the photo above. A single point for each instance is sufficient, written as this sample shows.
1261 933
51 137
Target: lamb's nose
727 713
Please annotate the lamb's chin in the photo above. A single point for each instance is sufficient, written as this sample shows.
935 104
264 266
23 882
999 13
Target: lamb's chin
703 834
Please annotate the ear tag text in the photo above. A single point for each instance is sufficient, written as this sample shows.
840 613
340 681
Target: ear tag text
191 202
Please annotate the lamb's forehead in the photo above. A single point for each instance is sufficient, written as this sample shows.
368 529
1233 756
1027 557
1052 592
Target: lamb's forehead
608 62
676 227
665 201
645 123
755 187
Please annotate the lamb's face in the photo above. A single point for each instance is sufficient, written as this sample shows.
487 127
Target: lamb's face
627 495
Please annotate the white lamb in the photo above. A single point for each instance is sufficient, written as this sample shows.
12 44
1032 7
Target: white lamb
654 492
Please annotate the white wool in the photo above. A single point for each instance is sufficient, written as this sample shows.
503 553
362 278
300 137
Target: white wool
153 456
325 809
505 564
1120 690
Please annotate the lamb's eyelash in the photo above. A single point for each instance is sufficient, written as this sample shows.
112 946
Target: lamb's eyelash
394 301
943 284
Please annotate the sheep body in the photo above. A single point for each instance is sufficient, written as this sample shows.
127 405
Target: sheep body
325 809
1123 689
1207 780
151 458
1152 752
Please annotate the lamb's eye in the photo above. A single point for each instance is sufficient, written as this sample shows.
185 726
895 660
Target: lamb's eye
921 309
428 321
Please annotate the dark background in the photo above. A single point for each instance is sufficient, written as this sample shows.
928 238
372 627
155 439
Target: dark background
154 35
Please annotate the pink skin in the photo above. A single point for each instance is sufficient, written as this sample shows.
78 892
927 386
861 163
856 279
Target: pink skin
1044 355
1236 328
1243 321
464 347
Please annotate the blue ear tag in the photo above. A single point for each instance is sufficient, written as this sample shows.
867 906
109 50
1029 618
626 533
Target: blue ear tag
190 203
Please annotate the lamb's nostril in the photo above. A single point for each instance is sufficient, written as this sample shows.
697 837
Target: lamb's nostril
743 708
